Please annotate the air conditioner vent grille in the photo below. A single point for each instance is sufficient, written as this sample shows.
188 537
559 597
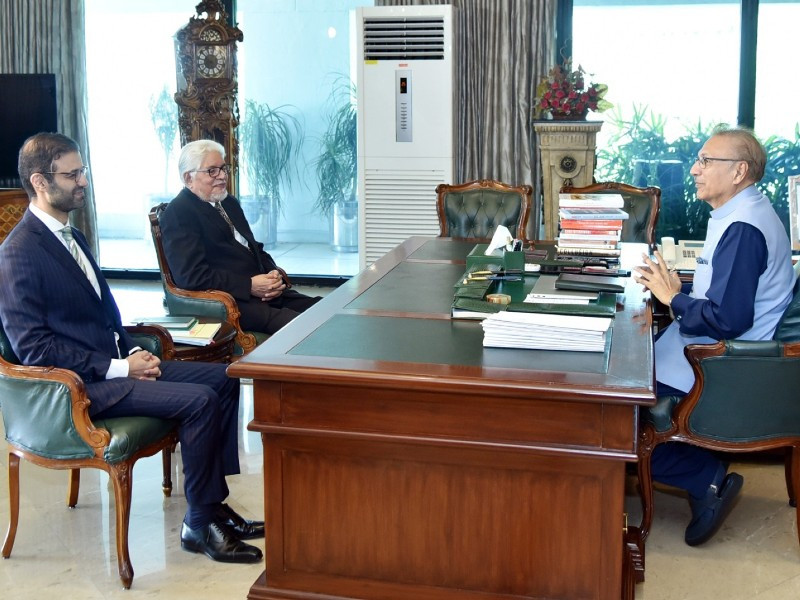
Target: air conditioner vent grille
405 38
398 203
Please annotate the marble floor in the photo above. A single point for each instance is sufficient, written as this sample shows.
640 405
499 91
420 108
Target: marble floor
64 554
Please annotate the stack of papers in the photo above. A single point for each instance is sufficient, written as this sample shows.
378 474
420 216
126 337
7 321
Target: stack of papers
540 331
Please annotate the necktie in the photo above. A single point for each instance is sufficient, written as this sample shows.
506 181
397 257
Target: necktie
66 233
236 235
225 216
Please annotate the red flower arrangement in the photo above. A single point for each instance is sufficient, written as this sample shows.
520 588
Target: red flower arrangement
563 94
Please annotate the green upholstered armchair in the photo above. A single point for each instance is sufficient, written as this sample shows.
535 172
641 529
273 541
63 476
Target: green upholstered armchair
46 420
746 398
641 204
214 304
473 210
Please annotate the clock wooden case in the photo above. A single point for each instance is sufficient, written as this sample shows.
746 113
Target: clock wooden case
205 52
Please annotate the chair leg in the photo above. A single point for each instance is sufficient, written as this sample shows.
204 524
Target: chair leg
645 493
794 480
74 487
791 479
13 503
166 463
121 476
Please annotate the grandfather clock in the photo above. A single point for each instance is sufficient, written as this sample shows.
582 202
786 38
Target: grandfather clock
207 87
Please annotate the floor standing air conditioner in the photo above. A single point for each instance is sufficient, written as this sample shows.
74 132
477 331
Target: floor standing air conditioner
404 81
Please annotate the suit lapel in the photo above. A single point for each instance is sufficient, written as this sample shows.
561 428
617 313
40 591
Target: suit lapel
57 250
213 217
240 222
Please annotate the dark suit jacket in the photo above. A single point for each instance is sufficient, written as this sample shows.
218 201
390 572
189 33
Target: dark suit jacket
53 316
201 250
203 254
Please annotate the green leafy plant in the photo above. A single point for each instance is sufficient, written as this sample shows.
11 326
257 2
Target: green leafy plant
564 93
336 164
271 142
638 153
164 115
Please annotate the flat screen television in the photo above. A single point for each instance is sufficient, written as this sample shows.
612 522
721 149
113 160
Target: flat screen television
27 106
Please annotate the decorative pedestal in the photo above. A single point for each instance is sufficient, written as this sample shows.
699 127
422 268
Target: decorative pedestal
567 155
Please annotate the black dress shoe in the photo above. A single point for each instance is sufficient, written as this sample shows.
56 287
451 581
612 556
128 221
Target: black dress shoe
709 512
218 544
229 519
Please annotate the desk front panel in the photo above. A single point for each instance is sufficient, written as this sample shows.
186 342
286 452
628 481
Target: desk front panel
362 518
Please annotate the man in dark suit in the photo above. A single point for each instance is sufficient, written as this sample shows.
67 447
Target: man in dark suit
57 310
209 245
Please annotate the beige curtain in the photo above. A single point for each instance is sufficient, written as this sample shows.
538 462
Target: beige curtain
47 36
504 48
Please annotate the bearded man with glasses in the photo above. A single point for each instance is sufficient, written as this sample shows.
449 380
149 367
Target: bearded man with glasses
208 244
58 311
742 285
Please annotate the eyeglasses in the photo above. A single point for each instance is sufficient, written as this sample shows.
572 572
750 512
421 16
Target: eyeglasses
74 175
704 160
214 171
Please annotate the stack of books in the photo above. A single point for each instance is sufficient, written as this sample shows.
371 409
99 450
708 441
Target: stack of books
184 330
199 334
590 224
542 331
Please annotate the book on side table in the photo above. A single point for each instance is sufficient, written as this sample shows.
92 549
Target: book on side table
168 322
200 334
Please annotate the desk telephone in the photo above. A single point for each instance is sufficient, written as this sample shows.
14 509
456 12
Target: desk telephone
681 256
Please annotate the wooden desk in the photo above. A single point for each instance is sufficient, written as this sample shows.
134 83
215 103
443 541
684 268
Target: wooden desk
404 460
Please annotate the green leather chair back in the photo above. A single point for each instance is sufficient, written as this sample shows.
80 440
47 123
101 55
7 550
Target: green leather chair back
789 326
477 214
473 210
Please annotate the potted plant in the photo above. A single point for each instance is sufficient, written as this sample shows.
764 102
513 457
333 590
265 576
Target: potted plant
164 115
271 141
336 167
563 94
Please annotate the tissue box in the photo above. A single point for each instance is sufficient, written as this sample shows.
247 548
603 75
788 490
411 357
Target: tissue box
503 258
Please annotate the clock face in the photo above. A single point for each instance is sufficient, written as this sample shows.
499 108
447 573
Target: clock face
211 61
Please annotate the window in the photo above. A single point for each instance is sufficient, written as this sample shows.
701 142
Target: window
672 69
292 58
298 66
129 67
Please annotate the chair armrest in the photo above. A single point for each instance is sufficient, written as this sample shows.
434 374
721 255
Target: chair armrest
45 411
696 353
209 303
154 338
215 304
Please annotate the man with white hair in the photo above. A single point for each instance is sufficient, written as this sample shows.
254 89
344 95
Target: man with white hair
742 285
208 244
